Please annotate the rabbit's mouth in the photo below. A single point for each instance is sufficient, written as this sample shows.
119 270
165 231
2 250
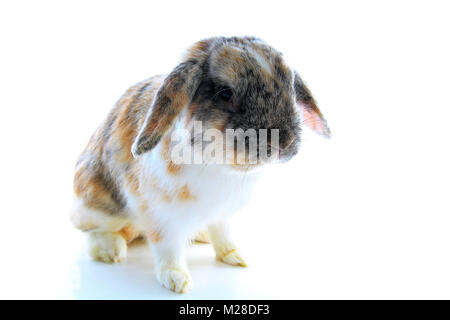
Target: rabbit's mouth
275 155
245 167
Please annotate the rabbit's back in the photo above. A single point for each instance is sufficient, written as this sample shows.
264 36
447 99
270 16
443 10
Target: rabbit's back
106 167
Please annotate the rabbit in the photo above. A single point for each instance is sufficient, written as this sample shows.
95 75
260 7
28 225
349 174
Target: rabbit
127 184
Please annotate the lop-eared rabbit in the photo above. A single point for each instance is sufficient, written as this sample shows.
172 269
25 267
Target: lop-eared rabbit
127 183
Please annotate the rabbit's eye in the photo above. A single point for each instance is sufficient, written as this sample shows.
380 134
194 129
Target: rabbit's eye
226 94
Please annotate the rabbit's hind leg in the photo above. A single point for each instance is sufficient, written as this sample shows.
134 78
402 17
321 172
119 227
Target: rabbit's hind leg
107 234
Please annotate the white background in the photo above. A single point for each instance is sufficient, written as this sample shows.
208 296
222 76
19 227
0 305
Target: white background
363 215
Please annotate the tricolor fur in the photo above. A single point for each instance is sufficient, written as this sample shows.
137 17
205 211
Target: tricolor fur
126 183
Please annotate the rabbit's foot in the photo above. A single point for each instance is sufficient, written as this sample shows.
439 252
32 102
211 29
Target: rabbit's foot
175 278
228 254
202 237
107 247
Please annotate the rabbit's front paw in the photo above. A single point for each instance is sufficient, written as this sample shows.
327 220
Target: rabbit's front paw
107 247
175 278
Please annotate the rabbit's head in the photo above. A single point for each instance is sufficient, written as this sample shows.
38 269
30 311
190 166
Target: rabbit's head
240 88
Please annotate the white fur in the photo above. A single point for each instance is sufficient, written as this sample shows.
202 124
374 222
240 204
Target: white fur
218 192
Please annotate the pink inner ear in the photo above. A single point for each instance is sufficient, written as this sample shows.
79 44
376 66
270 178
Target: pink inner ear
315 122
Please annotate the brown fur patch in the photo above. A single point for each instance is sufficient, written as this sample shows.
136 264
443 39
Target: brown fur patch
173 169
185 195
129 233
231 62
219 124
132 182
154 236
165 148
198 50
165 195
126 132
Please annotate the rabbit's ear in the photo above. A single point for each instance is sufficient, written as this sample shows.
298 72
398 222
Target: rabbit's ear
174 94
312 117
